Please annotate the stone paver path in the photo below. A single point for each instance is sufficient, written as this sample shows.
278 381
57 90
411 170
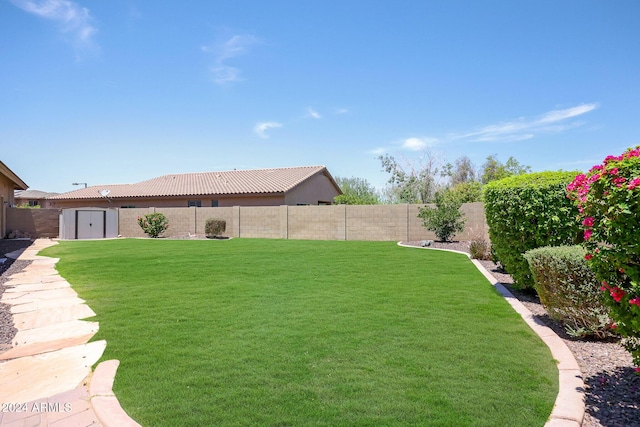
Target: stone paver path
46 378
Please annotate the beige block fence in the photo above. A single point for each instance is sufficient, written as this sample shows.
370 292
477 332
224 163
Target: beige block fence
333 222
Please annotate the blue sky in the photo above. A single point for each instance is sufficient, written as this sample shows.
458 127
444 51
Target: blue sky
120 91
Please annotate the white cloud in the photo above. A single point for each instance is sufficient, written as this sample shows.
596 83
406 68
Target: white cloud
223 51
262 128
417 144
341 111
520 129
554 121
222 74
72 18
313 113
559 115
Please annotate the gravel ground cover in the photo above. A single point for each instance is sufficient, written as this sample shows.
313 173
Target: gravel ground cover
612 394
8 268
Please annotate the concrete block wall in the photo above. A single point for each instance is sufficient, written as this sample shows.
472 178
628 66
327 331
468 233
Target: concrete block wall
128 221
334 222
317 222
377 222
37 222
263 221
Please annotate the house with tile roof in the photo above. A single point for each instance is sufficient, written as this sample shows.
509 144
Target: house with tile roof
305 185
9 182
32 198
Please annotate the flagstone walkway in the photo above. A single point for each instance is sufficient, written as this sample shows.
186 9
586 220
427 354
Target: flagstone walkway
46 378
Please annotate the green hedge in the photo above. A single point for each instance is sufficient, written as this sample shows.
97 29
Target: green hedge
526 212
569 289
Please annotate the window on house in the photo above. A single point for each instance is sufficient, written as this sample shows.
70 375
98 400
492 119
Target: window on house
214 203
196 203
33 203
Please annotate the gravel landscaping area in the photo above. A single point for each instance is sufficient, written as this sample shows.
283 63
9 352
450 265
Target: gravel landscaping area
612 386
7 268
612 394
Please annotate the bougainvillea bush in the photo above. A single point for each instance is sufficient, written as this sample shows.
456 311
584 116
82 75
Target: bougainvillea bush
154 224
608 199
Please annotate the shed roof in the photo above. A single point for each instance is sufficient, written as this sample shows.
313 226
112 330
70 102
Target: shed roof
256 181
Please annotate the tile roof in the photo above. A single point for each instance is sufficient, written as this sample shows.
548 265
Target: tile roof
31 194
256 181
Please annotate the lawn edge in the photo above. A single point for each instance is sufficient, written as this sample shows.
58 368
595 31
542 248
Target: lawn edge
569 407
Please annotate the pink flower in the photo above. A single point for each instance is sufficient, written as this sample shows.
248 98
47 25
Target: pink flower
613 171
617 294
588 221
635 182
635 301
612 159
619 181
587 234
637 369
594 178
588 257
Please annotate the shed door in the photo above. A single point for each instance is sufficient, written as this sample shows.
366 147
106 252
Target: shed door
90 224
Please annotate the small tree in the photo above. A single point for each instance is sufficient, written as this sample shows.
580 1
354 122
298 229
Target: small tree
493 169
154 224
356 191
445 219
215 227
413 182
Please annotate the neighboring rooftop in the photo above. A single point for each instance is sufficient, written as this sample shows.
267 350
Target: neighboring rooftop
32 194
256 181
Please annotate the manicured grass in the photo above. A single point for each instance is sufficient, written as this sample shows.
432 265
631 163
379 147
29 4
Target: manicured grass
291 333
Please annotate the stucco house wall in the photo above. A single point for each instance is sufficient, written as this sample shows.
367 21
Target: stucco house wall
317 190
9 182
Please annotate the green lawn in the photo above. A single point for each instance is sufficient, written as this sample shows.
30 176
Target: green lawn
323 333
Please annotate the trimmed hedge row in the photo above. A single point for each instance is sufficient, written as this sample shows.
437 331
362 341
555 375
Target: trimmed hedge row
526 212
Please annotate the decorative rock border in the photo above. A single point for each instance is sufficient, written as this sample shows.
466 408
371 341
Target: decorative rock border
569 408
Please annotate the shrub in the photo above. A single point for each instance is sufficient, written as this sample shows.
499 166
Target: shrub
479 248
526 212
154 224
215 227
468 192
608 199
569 290
445 219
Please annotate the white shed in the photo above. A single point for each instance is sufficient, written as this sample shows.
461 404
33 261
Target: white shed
88 223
